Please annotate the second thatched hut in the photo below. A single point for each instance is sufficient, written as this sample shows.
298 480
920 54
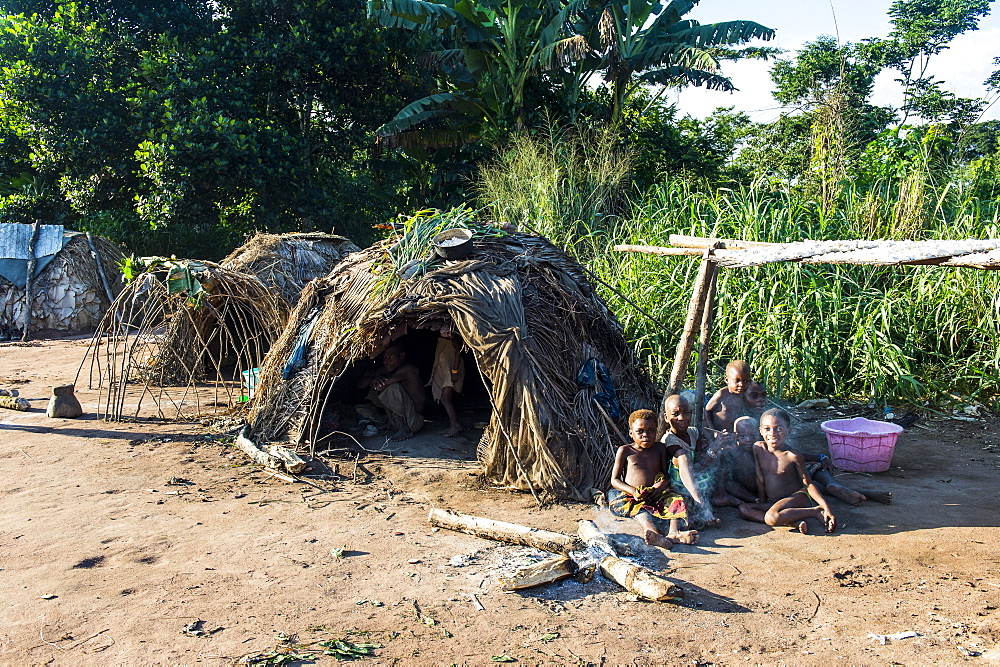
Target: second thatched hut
545 344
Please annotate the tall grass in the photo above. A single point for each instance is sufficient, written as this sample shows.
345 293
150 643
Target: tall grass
888 334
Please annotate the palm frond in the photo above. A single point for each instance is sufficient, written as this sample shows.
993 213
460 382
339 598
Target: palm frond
726 32
674 76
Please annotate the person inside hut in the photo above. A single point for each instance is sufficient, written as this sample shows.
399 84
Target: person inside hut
447 378
641 485
728 403
395 386
787 494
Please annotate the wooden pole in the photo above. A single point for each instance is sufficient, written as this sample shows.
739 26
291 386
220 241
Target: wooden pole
29 280
704 341
691 325
681 241
502 531
100 269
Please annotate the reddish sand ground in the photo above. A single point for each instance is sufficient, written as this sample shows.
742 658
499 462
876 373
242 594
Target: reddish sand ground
103 562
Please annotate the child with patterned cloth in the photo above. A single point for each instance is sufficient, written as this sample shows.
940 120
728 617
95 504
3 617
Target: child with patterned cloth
641 484
695 467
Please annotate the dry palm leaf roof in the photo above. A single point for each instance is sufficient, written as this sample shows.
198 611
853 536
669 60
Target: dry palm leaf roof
524 308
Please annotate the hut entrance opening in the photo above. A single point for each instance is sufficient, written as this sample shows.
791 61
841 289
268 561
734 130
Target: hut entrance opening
349 408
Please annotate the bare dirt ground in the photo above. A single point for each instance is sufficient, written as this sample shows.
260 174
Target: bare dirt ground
103 562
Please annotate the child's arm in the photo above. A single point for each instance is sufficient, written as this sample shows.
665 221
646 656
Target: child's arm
809 486
618 472
683 463
710 408
761 488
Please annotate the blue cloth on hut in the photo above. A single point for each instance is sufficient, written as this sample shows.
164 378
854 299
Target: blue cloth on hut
594 374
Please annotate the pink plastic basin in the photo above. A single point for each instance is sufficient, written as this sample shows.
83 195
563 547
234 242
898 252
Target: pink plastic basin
861 445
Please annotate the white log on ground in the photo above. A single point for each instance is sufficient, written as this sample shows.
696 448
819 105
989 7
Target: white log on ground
256 454
542 572
502 531
292 462
639 580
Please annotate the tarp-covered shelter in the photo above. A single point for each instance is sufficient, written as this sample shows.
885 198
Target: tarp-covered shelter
551 354
69 292
287 262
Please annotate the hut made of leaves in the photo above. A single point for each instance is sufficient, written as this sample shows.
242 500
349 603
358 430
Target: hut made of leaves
186 335
551 354
287 262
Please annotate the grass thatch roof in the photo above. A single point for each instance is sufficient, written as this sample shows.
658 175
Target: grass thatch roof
524 308
287 262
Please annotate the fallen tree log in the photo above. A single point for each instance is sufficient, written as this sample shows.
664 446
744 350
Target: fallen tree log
14 403
501 531
593 536
292 462
256 454
542 572
639 580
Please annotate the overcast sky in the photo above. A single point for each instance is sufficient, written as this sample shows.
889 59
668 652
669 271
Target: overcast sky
963 67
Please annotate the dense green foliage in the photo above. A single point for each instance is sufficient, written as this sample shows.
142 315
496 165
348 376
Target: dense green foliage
184 127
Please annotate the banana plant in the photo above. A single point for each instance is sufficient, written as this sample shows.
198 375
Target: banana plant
492 49
650 42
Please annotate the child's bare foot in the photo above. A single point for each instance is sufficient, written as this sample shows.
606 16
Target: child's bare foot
684 536
803 527
453 431
400 435
655 539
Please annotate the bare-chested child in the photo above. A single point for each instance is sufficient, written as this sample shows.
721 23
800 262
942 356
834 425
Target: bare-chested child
696 462
755 400
738 461
788 495
395 387
641 484
741 473
727 404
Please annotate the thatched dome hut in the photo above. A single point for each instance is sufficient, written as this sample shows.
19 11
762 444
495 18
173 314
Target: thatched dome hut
531 319
287 262
69 293
182 323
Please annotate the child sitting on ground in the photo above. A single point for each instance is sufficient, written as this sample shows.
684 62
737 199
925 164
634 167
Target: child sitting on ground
787 494
727 404
641 484
740 470
738 461
696 464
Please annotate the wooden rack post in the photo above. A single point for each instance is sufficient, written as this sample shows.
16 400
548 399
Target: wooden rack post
692 324
704 342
